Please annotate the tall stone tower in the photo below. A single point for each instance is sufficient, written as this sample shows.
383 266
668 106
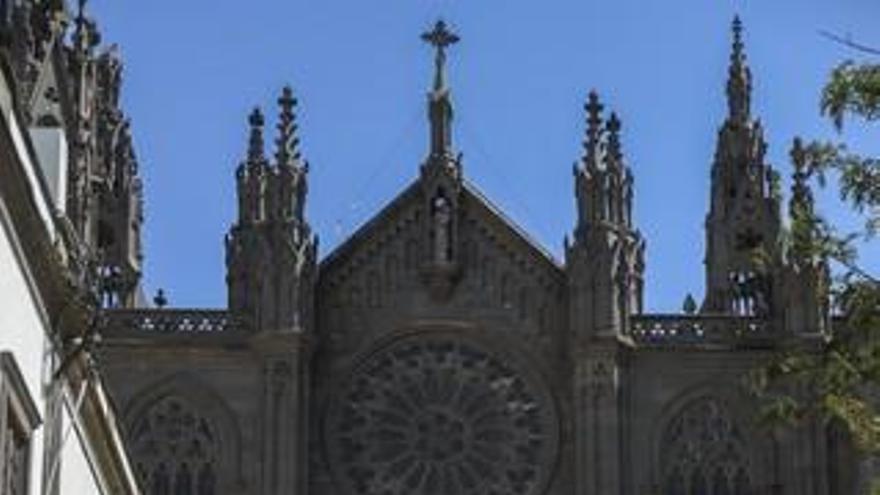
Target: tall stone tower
604 267
104 204
271 272
743 224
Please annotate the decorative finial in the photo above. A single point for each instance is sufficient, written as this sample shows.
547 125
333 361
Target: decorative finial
86 35
160 300
255 144
689 306
287 142
737 34
739 83
614 148
594 125
440 37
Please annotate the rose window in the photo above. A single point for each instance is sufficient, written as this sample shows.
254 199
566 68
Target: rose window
432 414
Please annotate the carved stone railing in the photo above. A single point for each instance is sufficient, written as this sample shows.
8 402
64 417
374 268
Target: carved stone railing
171 322
663 330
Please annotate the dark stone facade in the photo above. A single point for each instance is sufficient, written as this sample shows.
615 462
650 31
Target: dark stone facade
441 350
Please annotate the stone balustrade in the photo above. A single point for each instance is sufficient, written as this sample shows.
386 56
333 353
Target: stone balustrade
663 330
181 322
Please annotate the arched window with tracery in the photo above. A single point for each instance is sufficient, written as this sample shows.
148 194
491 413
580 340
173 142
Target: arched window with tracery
175 449
704 452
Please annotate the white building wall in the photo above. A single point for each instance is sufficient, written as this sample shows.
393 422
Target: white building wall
76 475
23 333
24 324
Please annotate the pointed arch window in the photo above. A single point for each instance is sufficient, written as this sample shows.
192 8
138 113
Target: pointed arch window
705 452
176 449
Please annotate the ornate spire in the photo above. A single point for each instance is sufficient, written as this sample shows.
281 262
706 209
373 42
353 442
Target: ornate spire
439 103
272 232
743 215
287 154
739 82
255 143
604 186
594 128
605 263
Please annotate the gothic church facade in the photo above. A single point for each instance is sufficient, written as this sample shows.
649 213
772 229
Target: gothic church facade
441 350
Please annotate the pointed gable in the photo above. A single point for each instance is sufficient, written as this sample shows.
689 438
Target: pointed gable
386 265
396 227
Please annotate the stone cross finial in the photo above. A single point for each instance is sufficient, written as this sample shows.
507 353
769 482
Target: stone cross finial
287 141
440 37
439 102
255 143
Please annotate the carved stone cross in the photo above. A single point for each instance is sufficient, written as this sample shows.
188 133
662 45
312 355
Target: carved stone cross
440 37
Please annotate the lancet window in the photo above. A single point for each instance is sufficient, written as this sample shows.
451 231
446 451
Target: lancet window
176 449
704 452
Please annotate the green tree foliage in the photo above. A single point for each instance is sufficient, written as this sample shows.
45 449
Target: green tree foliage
840 381
853 89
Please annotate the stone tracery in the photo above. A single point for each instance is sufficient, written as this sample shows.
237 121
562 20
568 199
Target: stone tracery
433 414
176 450
704 452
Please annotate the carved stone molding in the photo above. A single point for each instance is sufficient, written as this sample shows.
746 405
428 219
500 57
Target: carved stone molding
599 377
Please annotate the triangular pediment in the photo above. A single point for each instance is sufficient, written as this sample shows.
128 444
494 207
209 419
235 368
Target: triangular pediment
399 219
385 279
497 260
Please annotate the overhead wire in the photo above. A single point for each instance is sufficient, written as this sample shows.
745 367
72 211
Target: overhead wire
346 221
531 220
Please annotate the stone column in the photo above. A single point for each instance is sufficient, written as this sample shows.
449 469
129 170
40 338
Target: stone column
284 415
597 423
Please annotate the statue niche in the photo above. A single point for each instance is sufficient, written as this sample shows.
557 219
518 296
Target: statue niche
441 229
440 266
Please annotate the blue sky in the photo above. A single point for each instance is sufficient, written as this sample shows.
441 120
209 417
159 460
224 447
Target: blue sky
519 78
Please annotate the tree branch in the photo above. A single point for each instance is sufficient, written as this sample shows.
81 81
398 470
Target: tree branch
849 43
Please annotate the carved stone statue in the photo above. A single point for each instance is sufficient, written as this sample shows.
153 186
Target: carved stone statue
442 217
